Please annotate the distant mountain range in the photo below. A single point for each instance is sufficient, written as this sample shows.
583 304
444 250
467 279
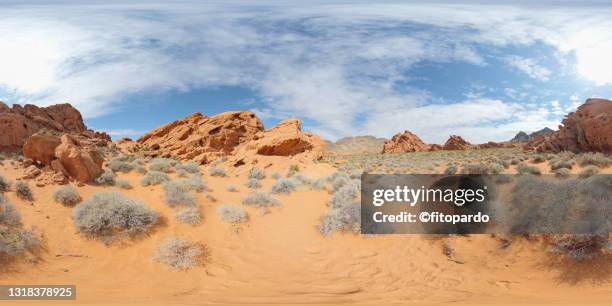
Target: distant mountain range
522 136
356 144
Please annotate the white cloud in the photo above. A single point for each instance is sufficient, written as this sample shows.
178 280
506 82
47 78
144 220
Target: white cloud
530 67
337 65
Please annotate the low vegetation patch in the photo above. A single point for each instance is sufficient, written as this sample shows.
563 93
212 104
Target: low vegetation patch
180 254
260 199
23 191
4 184
67 195
189 215
215 171
232 213
14 239
285 186
106 178
154 178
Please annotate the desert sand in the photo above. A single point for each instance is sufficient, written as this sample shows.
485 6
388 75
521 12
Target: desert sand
281 258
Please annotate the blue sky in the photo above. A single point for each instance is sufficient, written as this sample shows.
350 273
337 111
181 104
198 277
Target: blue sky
483 70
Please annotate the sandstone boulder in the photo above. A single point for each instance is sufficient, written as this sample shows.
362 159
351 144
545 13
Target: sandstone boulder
404 142
589 129
40 147
81 163
455 142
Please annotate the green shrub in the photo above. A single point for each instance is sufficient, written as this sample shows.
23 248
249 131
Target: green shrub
232 213
180 254
111 214
67 195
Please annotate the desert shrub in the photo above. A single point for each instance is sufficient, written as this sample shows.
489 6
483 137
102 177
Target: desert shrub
260 199
111 214
123 184
523 168
193 183
451 169
285 186
562 173
588 171
119 166
181 173
14 240
478 168
345 218
232 213
505 164
177 194
140 168
154 178
253 183
559 164
4 184
215 171
578 247
276 176
162 165
190 167
67 195
210 197
257 174
294 169
338 180
515 161
503 178
346 195
318 184
180 254
106 178
23 191
495 168
189 215
539 158
593 159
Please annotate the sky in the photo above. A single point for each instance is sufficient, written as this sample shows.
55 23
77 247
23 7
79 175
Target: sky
480 69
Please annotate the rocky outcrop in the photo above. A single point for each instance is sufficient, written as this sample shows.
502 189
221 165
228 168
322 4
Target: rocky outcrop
435 147
20 122
404 142
356 145
455 142
285 139
589 129
522 136
492 145
65 154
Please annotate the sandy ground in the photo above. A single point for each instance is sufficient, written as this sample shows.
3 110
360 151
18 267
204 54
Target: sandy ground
280 258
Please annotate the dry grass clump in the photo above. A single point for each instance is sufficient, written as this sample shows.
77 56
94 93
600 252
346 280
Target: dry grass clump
14 240
562 173
180 254
232 213
285 186
539 158
257 174
5 185
253 183
117 165
345 212
178 194
123 184
593 159
106 178
189 167
495 168
189 215
67 195
450 169
162 164
260 199
523 168
154 178
108 215
560 163
475 168
215 171
23 191
588 171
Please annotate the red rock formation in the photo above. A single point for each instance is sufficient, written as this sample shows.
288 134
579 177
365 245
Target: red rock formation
404 142
455 142
491 145
40 147
589 129
201 138
19 122
435 147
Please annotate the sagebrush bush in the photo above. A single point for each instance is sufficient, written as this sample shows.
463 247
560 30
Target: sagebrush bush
495 168
345 218
117 165
257 174
106 178
162 164
193 183
177 194
523 168
14 240
140 169
23 191
232 213
253 183
123 184
214 171
260 199
562 173
285 186
478 168
346 195
450 169
338 180
593 159
67 195
111 214
539 158
189 215
588 171
190 167
4 184
559 164
180 254
154 178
